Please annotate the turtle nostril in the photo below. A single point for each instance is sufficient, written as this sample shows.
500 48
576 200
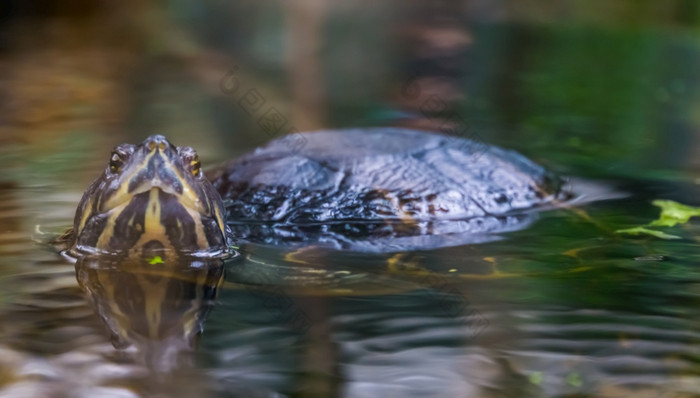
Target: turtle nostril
156 142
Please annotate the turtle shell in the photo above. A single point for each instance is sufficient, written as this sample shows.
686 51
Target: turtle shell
355 184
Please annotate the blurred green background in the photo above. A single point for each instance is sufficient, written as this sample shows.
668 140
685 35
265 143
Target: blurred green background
589 88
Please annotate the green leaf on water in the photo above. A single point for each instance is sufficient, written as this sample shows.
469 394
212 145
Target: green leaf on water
155 260
647 231
536 378
574 379
673 213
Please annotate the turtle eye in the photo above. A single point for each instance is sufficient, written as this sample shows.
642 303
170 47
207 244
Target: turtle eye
195 165
191 160
116 161
120 155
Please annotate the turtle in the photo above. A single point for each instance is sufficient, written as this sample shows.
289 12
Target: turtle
372 189
388 190
151 199
381 190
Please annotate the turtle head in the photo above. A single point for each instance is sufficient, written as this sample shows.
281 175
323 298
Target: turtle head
151 197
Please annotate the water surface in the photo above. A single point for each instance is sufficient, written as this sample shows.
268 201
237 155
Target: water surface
566 307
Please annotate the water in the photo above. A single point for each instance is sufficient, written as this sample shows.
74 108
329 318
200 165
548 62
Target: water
563 308
566 307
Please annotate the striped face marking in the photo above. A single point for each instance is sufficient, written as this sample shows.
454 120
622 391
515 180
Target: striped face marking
151 198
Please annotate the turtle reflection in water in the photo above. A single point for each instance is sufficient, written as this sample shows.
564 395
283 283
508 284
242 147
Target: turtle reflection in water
157 308
374 190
